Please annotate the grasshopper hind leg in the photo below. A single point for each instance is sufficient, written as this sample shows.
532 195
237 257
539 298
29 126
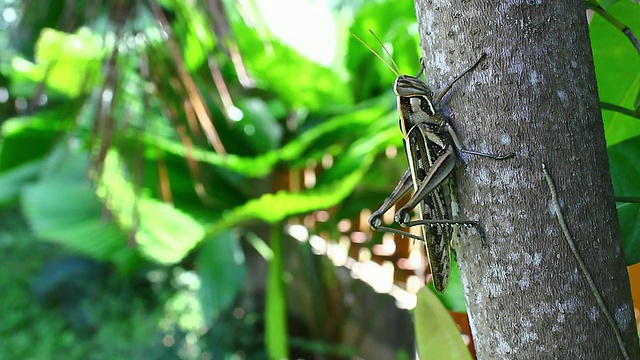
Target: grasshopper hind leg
434 223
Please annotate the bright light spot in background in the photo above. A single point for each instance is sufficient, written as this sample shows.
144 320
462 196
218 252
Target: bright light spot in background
21 104
249 129
4 95
107 95
9 15
308 27
234 113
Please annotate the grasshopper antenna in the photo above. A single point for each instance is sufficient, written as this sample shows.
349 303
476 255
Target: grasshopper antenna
395 69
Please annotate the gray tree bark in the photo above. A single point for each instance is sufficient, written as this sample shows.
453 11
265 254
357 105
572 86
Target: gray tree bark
534 95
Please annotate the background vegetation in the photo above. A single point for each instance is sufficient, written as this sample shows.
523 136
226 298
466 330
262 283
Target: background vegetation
156 157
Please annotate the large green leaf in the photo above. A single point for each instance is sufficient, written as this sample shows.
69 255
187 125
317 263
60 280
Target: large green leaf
29 138
12 181
163 233
262 165
370 75
69 63
617 69
437 335
624 160
629 216
298 81
63 208
222 271
69 213
332 187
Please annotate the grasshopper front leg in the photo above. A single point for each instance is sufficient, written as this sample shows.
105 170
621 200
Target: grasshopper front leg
439 171
375 220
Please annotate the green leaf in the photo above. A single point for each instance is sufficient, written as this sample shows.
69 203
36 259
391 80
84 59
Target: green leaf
29 138
262 130
636 105
333 186
262 165
222 270
629 216
275 207
624 160
329 191
617 69
64 209
12 181
69 213
437 335
400 37
310 86
193 28
69 63
163 233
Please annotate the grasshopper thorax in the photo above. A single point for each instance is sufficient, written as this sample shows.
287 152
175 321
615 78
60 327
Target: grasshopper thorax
414 104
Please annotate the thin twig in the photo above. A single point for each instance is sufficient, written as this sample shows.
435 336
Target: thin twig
628 199
618 109
593 4
581 264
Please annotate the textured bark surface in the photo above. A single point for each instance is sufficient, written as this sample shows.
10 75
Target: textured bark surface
534 95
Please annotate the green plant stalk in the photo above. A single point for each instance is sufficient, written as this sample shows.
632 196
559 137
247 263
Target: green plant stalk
275 337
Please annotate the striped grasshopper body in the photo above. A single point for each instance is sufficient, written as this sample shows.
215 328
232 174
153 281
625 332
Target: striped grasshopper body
431 146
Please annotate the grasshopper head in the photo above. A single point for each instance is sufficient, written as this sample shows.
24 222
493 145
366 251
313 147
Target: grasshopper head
407 85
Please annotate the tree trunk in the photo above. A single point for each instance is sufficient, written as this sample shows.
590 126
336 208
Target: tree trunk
534 95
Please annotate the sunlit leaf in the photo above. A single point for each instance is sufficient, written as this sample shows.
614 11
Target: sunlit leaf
70 63
275 207
163 233
332 187
29 138
263 164
70 214
437 335
295 79
199 41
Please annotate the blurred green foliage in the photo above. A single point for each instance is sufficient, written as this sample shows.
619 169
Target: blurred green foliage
115 121
618 73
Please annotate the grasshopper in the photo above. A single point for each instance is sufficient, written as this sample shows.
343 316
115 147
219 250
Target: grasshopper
432 148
